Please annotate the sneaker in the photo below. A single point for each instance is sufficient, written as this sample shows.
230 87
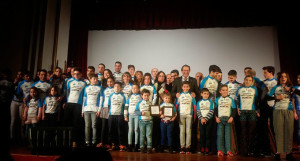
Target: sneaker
188 151
113 147
122 148
220 153
143 150
100 145
182 150
229 154
108 147
149 150
170 150
206 152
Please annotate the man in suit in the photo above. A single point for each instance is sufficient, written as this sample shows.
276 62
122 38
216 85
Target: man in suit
194 90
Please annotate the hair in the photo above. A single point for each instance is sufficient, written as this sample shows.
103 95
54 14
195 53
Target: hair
109 71
58 68
112 78
43 70
175 71
145 91
135 78
50 72
128 74
247 68
232 73
119 83
223 85
26 72
185 82
77 69
145 75
135 84
93 75
156 79
118 62
91 67
131 66
167 94
214 68
249 76
251 72
101 64
185 65
55 89
204 90
288 82
270 69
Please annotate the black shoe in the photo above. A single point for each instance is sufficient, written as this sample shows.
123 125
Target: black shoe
129 149
136 148
277 157
149 150
290 157
161 149
170 150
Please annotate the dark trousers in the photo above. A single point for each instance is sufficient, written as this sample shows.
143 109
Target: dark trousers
247 135
205 134
156 132
72 118
166 131
194 140
115 129
175 135
51 119
102 132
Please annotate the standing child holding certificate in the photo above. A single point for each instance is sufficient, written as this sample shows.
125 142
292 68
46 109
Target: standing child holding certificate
167 121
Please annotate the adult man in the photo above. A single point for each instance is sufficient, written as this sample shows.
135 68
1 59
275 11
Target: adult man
118 74
154 72
101 68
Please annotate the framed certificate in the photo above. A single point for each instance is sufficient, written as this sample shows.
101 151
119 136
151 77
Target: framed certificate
154 110
168 111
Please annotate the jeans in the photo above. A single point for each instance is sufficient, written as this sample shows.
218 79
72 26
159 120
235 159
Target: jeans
146 131
133 126
185 124
166 130
224 135
90 122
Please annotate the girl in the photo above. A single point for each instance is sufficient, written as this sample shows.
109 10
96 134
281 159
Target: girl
50 112
33 110
139 77
247 105
148 85
106 74
127 84
284 113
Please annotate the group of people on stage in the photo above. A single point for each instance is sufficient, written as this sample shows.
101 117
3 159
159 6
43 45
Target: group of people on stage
136 111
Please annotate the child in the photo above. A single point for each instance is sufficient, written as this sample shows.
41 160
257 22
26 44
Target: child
232 84
145 124
133 119
187 109
147 85
92 101
42 85
104 112
33 110
167 123
224 113
127 85
50 112
284 113
296 99
205 111
116 103
247 106
211 83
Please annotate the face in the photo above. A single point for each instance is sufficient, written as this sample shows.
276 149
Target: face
267 75
77 74
147 80
94 80
283 79
117 88
138 76
169 78
101 68
43 76
219 77
246 71
53 92
126 78
90 71
33 93
110 83
199 76
248 81
185 71
19 75
205 95
224 91
214 74
26 77
72 72
161 77
118 67
106 74
131 71
69 69
154 72
135 89
145 96
231 78
57 72
298 79
185 88
174 76
167 99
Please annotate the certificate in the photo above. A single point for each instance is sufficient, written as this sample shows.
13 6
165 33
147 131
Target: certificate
168 111
154 110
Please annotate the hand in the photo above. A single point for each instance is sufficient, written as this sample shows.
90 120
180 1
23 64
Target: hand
143 113
239 112
126 119
177 95
287 88
295 116
97 113
218 120
257 114
58 99
172 119
82 114
193 94
230 120
203 121
64 106
162 116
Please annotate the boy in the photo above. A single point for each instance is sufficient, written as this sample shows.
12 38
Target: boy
224 112
92 101
90 70
116 104
42 85
232 84
101 68
146 123
167 122
205 111
73 107
210 82
131 70
187 108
